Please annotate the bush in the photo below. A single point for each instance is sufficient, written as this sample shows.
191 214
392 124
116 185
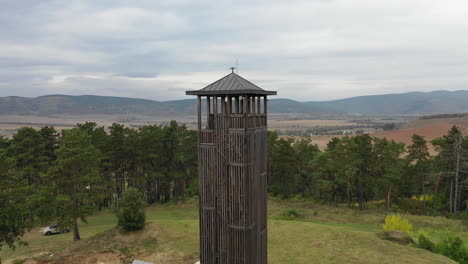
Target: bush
395 208
425 243
398 236
411 206
131 212
395 222
291 213
453 247
192 189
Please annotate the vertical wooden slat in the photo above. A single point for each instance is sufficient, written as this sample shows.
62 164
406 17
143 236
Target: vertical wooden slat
199 112
232 172
208 112
258 105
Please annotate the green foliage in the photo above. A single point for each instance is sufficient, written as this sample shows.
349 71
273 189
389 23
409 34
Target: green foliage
291 213
192 189
131 211
398 223
425 243
427 197
398 237
77 178
411 206
27 148
453 247
283 166
4 142
13 201
395 208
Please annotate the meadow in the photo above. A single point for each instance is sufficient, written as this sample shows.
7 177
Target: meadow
315 233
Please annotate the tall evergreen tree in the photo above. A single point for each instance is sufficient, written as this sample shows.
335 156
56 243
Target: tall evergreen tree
388 167
305 153
283 167
13 203
76 177
365 161
419 158
453 158
4 142
27 150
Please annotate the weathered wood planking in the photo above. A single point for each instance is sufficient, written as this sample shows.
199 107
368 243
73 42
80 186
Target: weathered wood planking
232 173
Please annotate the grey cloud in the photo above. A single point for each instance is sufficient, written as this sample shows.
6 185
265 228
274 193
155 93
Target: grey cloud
138 74
307 50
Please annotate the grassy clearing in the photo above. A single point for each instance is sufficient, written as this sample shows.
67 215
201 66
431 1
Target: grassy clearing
320 234
367 220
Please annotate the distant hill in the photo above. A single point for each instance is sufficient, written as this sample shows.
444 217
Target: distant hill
414 103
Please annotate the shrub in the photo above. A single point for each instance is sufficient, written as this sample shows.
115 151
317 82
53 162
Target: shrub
429 197
192 189
398 237
131 212
291 213
453 247
425 243
395 208
410 205
395 222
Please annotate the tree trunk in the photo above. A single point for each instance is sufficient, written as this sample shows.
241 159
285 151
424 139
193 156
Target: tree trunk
424 192
451 196
457 170
76 232
348 193
389 194
361 196
460 188
436 193
31 215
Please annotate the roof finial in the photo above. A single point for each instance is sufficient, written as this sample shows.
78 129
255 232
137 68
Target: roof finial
232 69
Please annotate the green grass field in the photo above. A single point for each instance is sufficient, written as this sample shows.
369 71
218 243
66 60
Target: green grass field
320 234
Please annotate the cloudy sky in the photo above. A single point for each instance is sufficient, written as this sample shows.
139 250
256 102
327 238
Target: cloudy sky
304 49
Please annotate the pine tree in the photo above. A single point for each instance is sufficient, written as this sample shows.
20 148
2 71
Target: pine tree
418 157
131 212
283 169
77 179
388 166
27 150
13 209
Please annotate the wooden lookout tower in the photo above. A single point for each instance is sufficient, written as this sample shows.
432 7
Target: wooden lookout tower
232 169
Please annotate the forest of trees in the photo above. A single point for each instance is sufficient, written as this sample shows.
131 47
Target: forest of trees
47 175
356 170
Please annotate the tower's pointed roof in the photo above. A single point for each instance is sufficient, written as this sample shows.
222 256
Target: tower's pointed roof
229 85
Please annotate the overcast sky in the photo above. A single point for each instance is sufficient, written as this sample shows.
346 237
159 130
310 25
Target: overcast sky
306 50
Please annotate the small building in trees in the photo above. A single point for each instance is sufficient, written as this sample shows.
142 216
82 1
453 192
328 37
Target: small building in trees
232 168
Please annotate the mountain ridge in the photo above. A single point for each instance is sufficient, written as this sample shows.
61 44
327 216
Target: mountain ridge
411 103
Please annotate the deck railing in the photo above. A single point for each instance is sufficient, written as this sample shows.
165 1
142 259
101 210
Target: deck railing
207 136
239 121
